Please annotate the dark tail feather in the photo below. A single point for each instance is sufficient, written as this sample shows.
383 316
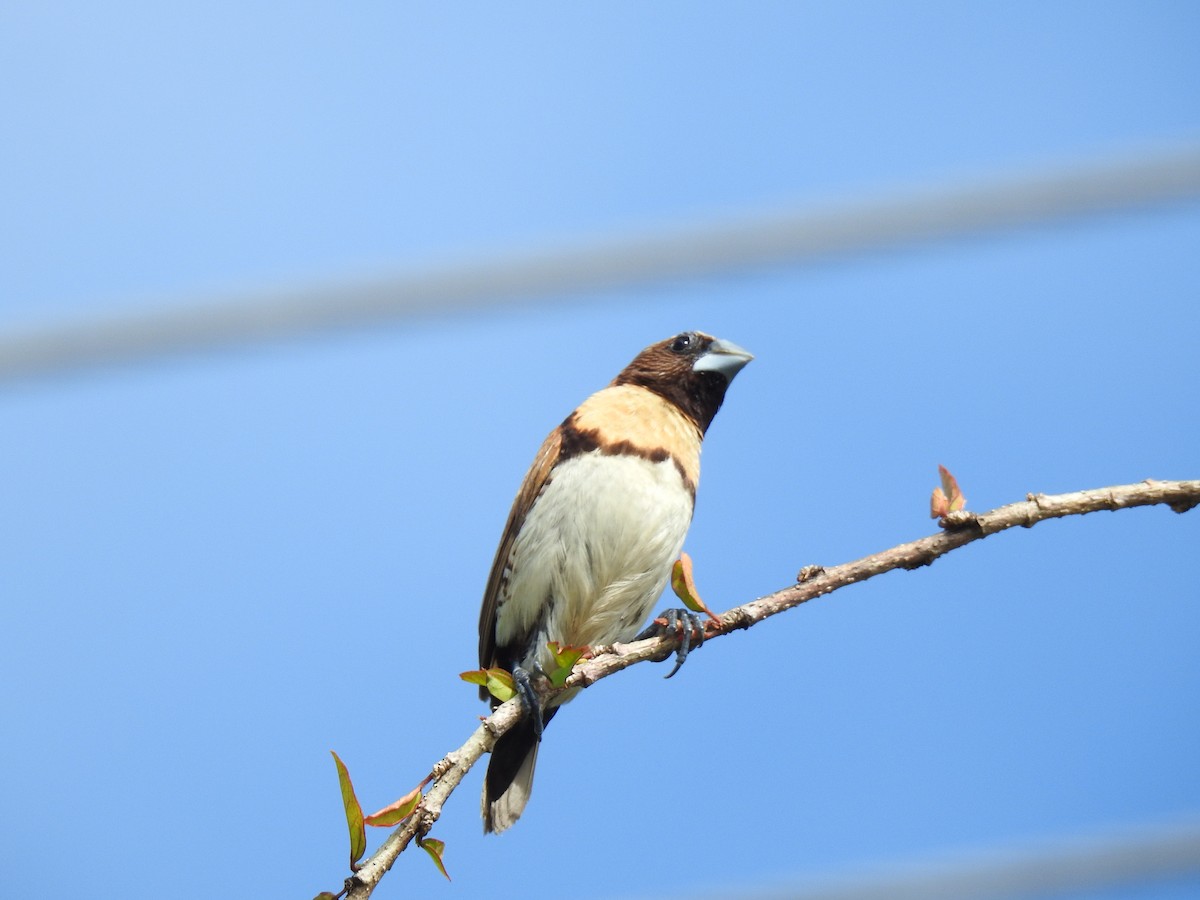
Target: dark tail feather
509 779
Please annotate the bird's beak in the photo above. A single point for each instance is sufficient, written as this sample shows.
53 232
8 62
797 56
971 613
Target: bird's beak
724 357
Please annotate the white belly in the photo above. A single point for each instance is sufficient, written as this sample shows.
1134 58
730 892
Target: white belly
595 552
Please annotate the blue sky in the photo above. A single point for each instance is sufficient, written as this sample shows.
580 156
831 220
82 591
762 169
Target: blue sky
216 568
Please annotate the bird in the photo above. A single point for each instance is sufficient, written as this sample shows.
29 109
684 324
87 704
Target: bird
593 532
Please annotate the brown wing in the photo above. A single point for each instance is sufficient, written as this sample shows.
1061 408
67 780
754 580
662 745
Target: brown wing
535 480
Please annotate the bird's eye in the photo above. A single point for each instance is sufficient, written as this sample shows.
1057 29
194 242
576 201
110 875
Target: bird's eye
681 344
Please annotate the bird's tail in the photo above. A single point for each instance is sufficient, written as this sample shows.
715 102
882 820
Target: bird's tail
509 779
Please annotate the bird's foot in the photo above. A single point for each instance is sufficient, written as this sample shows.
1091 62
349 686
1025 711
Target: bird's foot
682 622
529 696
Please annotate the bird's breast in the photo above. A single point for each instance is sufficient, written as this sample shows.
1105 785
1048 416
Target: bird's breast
633 420
595 551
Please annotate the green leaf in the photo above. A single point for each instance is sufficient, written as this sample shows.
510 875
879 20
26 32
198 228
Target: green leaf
684 586
500 684
565 657
497 681
396 812
354 814
325 895
435 849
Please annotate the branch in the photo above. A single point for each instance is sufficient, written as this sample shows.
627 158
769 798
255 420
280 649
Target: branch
958 528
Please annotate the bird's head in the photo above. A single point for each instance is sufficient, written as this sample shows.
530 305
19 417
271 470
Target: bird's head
692 370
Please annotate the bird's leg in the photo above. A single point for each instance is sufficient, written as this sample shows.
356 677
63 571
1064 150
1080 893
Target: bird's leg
529 697
683 622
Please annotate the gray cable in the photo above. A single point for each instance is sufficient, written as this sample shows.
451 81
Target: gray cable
803 236
1062 867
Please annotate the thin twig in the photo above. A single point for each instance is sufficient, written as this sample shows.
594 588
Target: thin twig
957 529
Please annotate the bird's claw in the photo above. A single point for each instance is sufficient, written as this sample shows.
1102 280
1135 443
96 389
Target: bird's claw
529 697
683 622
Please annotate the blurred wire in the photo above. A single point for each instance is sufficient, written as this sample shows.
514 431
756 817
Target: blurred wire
803 236
1065 867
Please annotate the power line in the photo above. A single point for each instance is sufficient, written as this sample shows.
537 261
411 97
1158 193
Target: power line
803 236
1065 866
